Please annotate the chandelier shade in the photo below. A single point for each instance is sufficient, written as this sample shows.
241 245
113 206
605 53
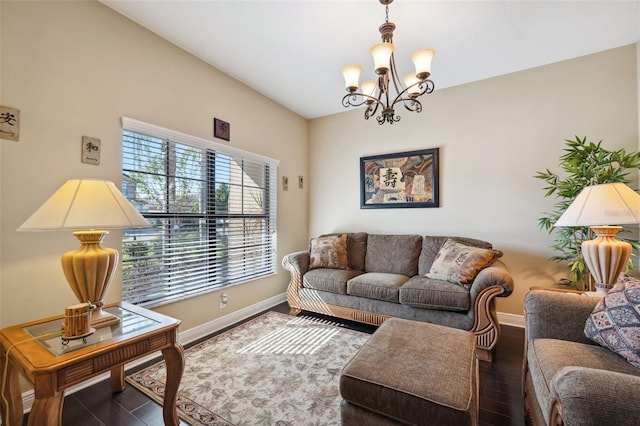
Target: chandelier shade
351 74
422 61
381 53
388 91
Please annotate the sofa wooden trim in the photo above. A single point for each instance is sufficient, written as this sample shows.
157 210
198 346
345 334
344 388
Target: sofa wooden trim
486 327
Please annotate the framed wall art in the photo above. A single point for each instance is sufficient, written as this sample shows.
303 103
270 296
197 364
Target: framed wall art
9 123
221 129
404 179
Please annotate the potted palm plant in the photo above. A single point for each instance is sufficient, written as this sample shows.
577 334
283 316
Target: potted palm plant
584 163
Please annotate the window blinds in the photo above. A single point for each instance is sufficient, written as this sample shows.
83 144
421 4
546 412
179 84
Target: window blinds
212 210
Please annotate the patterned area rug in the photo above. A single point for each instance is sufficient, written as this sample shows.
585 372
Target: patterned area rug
273 370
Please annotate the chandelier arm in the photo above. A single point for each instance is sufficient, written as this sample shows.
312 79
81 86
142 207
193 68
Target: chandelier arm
394 77
371 110
425 86
353 99
412 105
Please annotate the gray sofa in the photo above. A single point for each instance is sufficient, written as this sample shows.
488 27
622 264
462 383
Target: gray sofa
386 278
568 379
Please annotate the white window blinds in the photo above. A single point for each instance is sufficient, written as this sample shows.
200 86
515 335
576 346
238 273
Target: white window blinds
212 210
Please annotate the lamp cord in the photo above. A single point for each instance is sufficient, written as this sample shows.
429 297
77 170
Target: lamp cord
6 369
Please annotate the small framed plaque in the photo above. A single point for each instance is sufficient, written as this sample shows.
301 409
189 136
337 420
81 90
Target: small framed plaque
221 129
90 150
9 123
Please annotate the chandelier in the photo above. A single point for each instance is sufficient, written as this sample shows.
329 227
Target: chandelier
377 94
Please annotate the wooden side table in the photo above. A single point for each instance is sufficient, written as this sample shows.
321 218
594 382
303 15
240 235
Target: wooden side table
36 351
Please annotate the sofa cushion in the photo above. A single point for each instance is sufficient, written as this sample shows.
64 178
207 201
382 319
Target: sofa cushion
426 293
431 246
329 252
377 285
615 321
545 357
394 254
332 280
460 263
356 248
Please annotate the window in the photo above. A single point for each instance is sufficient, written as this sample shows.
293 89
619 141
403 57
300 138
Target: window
212 210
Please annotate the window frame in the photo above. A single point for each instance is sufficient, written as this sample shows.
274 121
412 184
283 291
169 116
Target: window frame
268 218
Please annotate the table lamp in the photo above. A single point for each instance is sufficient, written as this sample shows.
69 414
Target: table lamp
598 207
89 206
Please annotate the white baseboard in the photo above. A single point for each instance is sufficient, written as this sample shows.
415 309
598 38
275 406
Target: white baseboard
511 319
184 338
217 324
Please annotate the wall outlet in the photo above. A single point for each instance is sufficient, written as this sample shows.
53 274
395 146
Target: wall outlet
224 299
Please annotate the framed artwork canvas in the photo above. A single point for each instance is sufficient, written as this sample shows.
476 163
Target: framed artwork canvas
403 179
221 129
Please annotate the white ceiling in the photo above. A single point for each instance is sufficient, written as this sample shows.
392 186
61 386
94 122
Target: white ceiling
292 51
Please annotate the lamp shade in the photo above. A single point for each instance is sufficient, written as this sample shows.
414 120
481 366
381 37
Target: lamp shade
604 204
85 204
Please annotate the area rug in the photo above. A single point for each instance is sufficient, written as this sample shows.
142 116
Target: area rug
273 370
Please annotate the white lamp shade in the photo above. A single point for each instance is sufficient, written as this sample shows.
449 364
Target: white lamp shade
381 53
422 61
409 81
351 74
604 204
82 204
369 87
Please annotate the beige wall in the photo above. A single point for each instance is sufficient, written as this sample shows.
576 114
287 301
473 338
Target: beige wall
74 69
493 136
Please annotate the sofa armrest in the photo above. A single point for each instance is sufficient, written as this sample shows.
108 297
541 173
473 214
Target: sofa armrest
495 275
587 396
557 315
297 264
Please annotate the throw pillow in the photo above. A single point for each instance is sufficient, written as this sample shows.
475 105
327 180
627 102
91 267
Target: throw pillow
615 321
329 252
459 263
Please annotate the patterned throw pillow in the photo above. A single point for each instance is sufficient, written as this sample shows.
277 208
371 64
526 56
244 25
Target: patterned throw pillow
329 252
615 321
459 263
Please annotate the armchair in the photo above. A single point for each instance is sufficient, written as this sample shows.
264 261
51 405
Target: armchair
567 378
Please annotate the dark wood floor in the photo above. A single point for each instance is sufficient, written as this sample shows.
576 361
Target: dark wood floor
501 401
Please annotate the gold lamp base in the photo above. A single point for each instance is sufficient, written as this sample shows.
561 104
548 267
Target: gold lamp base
606 257
89 271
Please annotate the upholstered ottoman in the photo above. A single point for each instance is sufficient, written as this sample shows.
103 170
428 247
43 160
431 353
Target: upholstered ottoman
412 372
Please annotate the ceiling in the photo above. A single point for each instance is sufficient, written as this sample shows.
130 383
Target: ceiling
292 51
